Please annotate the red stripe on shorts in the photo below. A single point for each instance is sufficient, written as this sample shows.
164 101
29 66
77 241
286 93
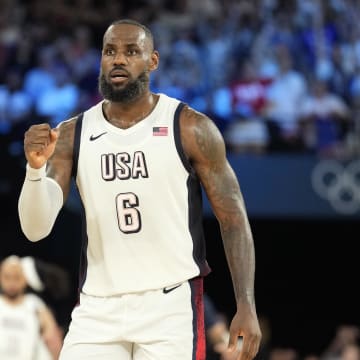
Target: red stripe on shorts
197 302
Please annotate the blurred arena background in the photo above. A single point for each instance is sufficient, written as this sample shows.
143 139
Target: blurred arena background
281 79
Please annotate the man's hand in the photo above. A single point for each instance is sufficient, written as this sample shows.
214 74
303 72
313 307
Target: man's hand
39 144
245 324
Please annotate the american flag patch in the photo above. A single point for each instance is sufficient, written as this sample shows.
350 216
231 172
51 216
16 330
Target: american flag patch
160 131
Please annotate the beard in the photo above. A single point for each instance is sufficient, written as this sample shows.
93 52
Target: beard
132 90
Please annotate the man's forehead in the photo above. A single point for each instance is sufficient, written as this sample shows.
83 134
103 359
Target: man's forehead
12 267
125 33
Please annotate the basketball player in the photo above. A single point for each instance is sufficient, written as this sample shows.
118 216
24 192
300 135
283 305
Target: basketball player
28 330
138 159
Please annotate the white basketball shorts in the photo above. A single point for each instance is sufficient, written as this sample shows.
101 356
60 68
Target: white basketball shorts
163 324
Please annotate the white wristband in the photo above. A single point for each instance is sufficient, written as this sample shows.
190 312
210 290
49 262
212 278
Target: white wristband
35 174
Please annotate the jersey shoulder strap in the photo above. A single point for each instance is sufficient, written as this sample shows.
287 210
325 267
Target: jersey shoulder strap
76 147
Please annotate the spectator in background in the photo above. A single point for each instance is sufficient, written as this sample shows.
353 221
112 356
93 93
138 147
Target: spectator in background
15 103
284 98
59 102
324 117
346 336
339 76
351 352
10 33
185 54
344 345
80 57
41 79
28 330
248 91
216 46
353 140
248 131
354 86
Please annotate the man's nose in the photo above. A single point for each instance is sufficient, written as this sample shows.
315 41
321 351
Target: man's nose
120 59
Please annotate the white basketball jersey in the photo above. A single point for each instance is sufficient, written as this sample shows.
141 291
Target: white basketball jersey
142 202
20 329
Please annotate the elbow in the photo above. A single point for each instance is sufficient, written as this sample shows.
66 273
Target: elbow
35 232
35 236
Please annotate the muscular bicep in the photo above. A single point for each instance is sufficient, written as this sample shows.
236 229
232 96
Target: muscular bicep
59 165
206 150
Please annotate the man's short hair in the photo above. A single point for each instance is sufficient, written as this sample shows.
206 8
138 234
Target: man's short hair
147 31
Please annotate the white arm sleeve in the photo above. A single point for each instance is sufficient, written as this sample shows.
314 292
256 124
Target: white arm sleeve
40 201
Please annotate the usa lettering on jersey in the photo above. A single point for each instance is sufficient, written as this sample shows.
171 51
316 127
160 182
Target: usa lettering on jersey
123 166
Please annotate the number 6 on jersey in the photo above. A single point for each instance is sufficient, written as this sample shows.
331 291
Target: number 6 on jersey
129 218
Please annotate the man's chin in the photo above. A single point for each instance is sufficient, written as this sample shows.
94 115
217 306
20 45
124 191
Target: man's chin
12 296
122 90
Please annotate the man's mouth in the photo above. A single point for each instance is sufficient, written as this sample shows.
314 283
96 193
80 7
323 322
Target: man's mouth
119 74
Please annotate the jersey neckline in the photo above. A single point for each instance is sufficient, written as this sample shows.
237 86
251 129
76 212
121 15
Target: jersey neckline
147 121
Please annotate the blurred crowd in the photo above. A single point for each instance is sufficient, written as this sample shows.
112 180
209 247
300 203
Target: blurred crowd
343 346
275 75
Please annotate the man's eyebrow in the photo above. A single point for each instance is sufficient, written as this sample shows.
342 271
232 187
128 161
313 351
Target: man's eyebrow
132 44
115 45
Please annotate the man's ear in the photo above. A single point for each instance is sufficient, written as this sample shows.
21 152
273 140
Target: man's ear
154 61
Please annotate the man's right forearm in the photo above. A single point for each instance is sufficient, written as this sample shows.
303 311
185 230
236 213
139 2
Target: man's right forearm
40 201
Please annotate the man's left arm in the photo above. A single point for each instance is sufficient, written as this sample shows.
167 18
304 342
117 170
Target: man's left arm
205 149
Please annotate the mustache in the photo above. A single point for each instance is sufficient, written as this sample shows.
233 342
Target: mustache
119 68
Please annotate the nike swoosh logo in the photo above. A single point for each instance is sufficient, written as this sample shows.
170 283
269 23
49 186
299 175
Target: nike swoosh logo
167 290
92 137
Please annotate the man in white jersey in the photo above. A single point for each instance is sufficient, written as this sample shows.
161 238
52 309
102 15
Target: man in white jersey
28 329
139 159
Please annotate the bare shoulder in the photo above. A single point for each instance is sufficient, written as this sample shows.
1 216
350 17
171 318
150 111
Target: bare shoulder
205 148
200 137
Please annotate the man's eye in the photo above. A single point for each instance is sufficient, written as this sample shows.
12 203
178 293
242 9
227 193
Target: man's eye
132 52
109 52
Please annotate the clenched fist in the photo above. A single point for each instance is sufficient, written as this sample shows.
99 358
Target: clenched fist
39 144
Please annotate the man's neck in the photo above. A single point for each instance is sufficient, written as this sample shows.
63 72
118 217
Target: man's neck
125 115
